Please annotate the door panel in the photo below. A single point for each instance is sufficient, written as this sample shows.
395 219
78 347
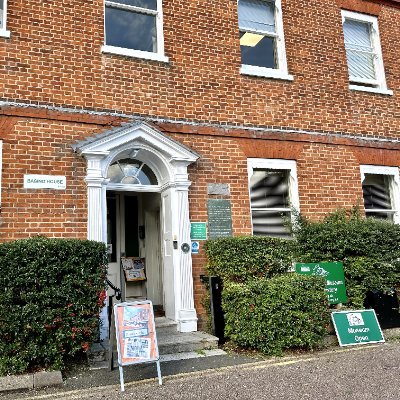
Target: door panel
153 257
167 260
112 241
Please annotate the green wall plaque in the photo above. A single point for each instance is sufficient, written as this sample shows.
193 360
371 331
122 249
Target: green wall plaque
333 273
357 327
219 218
198 231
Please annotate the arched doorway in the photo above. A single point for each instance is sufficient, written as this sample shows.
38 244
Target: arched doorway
138 161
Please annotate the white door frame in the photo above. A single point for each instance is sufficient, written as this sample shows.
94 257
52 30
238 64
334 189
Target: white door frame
169 161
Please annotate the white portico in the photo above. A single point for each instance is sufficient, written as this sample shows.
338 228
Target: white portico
153 167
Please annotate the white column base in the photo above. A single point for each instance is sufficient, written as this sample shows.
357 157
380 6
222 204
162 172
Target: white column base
187 321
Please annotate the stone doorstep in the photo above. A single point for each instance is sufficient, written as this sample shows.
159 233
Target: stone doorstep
37 380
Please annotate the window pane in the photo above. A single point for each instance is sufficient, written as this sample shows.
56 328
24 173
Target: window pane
130 30
380 215
269 189
262 54
151 4
376 192
270 223
256 14
1 13
361 65
359 50
357 35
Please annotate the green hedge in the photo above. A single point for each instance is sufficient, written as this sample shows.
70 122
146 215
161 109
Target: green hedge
271 315
369 249
246 257
49 301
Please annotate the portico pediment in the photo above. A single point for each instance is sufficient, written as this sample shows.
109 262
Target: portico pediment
138 135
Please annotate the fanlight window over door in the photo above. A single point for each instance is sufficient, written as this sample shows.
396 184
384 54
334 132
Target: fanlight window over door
131 172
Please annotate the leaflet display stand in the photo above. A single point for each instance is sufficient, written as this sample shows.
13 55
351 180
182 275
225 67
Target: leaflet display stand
133 279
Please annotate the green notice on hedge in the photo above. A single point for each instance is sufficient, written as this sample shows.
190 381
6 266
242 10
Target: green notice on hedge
334 277
357 327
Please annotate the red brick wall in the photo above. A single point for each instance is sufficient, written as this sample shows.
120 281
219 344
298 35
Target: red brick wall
36 146
328 174
54 57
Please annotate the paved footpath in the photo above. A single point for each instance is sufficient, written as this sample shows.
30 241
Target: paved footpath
359 373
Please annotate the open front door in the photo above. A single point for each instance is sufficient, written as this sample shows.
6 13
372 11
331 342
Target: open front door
133 230
153 259
122 236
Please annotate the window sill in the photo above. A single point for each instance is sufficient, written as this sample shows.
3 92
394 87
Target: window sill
134 53
4 33
265 72
371 90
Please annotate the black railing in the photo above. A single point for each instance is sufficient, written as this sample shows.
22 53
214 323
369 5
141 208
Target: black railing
117 295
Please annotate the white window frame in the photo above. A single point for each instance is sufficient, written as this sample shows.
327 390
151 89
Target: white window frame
394 184
3 31
279 164
155 56
282 71
380 81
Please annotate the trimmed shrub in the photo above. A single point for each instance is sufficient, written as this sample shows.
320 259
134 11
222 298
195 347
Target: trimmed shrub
50 299
241 258
369 249
271 315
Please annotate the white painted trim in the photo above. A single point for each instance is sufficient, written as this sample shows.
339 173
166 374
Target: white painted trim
371 90
265 72
154 56
134 188
394 187
281 72
379 170
376 44
169 160
275 163
134 53
4 33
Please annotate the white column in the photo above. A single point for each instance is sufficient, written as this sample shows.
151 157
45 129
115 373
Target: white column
96 196
96 229
187 317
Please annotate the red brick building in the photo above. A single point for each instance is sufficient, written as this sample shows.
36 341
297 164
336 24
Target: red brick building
123 121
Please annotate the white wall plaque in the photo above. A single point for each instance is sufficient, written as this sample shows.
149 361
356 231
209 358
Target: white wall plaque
45 182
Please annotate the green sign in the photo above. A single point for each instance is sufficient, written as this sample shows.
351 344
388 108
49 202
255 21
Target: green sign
219 218
334 276
198 231
357 327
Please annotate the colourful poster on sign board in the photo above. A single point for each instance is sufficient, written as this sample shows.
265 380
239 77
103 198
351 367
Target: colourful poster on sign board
136 337
334 276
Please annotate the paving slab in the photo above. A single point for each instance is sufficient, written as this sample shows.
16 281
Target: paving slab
16 382
47 378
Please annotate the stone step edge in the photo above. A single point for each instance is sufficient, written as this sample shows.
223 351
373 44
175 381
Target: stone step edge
171 357
11 383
